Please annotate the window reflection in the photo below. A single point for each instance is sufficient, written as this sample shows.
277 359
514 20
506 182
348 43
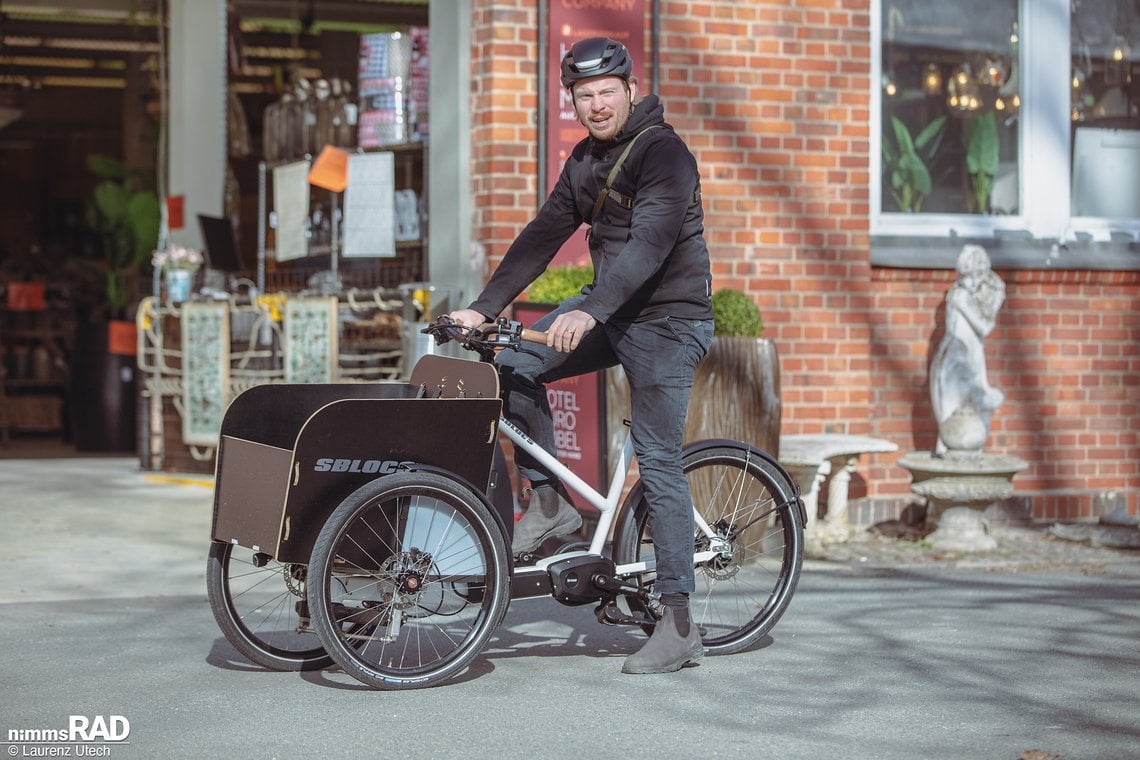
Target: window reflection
951 102
1105 108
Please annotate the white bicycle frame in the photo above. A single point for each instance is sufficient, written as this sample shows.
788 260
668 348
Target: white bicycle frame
607 505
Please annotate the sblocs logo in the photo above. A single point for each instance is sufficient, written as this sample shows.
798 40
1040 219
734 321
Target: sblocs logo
365 466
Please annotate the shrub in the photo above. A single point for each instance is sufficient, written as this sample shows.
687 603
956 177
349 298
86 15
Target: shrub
558 283
735 315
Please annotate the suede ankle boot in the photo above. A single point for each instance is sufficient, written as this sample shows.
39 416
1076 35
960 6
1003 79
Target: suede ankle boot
548 515
670 648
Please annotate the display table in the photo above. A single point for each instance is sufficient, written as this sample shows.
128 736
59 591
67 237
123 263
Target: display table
195 357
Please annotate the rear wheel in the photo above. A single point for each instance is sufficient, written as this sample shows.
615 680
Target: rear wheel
410 578
260 606
752 509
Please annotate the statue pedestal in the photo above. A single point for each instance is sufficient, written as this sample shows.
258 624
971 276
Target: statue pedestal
958 487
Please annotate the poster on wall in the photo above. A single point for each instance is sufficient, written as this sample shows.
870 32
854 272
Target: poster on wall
291 208
369 205
571 21
419 80
577 407
382 82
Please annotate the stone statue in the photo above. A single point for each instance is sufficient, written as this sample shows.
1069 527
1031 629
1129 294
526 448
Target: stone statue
962 397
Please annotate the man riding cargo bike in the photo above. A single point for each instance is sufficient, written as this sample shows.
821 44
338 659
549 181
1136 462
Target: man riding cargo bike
399 570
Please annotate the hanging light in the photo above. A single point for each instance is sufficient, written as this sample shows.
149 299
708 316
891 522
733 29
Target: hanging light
1121 50
932 80
962 91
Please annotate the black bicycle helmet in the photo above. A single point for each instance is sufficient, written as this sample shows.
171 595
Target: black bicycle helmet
595 57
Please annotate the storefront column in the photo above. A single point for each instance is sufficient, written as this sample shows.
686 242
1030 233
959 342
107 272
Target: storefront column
449 154
197 122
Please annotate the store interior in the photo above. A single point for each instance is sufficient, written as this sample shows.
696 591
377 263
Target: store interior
85 78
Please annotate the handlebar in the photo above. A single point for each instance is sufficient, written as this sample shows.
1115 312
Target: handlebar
486 339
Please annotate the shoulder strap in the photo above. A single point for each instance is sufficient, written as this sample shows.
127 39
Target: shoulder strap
614 172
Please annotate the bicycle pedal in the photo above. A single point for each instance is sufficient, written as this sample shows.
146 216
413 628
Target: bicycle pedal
609 615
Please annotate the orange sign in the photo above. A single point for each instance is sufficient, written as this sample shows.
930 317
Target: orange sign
330 170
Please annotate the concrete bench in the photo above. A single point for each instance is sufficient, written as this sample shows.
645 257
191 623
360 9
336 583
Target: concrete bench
811 460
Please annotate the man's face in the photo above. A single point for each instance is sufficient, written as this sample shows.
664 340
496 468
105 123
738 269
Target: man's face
603 105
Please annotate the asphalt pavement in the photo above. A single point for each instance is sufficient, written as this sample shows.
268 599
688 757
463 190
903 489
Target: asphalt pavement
105 626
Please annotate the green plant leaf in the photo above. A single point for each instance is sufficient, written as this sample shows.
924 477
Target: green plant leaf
919 176
106 167
144 216
931 131
902 136
982 146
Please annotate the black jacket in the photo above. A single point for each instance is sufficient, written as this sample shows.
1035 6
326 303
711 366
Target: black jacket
650 261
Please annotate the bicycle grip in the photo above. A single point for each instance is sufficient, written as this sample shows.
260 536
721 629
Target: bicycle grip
531 336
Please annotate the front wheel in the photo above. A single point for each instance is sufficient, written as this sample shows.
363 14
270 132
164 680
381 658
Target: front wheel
752 509
259 603
409 578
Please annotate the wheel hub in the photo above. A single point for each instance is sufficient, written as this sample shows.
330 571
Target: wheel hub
407 571
724 564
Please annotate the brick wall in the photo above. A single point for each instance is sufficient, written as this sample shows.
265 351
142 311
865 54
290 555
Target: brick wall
504 102
773 97
1066 352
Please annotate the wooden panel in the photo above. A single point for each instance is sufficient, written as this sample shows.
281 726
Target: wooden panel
250 500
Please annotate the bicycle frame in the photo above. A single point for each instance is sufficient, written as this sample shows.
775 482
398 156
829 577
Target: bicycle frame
506 334
607 505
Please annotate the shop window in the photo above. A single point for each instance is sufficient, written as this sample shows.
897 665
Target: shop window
1105 113
982 130
950 107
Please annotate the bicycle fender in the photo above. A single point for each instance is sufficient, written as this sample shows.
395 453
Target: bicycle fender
636 494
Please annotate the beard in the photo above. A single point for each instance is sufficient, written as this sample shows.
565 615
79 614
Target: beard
605 126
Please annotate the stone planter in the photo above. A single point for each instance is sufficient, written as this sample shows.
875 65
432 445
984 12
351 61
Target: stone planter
736 394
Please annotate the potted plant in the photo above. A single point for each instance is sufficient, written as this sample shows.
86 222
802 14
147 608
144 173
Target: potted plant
558 283
906 164
178 265
551 288
123 212
736 390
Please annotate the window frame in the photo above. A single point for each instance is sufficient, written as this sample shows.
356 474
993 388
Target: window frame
1044 166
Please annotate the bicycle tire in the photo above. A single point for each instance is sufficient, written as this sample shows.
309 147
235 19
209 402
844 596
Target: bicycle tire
255 607
417 564
749 501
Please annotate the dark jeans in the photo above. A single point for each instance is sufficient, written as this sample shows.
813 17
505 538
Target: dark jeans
659 358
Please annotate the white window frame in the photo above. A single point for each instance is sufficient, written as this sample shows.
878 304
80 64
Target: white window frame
1044 148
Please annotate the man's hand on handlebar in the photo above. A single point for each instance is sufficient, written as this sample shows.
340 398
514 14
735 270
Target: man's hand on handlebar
467 317
567 331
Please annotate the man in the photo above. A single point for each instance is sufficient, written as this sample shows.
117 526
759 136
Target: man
648 309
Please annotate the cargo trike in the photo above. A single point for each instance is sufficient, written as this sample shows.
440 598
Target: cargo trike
369 525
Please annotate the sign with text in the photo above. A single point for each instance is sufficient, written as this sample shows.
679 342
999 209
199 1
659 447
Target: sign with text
577 405
571 21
